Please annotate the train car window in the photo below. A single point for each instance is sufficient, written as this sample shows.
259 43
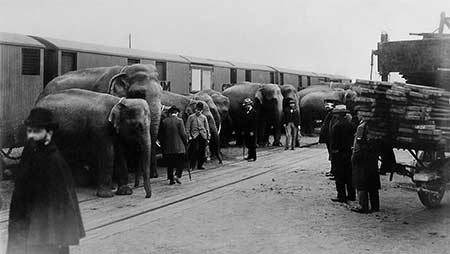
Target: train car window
133 61
248 75
281 78
309 80
31 61
233 76
300 81
206 79
161 67
68 62
272 78
196 80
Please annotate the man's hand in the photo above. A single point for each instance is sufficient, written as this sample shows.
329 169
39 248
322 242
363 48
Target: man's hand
251 133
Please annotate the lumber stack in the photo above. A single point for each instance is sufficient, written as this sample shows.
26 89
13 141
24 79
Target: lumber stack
408 116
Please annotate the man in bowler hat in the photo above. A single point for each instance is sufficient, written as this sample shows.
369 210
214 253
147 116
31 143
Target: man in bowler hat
197 129
44 215
174 142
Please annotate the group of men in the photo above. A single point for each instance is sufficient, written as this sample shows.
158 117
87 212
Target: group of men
178 141
354 158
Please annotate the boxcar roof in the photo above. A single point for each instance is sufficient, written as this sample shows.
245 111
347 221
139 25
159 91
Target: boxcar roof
19 40
208 61
110 50
257 67
295 72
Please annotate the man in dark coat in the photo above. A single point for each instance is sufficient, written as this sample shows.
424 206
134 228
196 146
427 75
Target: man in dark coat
250 126
324 136
44 215
365 171
341 141
197 129
174 141
291 123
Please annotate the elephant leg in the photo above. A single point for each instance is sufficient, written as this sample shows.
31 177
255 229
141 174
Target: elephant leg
261 133
277 135
121 171
105 161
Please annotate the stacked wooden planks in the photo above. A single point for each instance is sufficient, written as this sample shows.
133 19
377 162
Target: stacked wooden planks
406 115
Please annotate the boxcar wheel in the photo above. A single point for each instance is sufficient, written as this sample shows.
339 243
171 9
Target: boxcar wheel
430 199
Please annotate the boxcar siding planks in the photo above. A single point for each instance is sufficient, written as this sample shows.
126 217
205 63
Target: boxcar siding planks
18 92
261 76
221 76
291 79
148 61
240 75
179 76
88 60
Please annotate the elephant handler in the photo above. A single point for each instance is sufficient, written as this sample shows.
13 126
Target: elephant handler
341 141
250 126
365 171
197 129
174 143
44 215
291 124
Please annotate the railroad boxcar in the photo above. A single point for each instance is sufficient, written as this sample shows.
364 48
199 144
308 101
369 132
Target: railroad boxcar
21 80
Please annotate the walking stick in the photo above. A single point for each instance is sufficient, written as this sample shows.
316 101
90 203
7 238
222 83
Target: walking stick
243 147
188 161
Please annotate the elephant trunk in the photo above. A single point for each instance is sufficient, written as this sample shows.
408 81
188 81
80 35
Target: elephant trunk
155 119
144 165
214 145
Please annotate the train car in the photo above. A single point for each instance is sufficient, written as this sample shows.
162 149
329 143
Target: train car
21 80
28 63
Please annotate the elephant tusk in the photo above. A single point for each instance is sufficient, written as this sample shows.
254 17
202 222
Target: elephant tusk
220 128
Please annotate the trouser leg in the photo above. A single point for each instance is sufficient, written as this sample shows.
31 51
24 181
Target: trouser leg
294 136
340 188
193 152
288 134
170 173
374 200
363 202
201 152
179 172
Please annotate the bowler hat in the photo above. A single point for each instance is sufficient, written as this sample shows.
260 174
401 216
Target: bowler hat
41 118
340 109
199 105
173 109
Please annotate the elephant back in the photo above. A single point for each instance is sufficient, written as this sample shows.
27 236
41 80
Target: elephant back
311 89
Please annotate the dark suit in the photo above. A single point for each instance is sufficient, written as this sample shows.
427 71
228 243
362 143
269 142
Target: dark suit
250 126
365 170
174 141
341 141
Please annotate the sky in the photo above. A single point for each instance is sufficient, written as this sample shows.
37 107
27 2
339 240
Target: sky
327 36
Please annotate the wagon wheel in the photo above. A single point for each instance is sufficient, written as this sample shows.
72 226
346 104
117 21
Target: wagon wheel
433 197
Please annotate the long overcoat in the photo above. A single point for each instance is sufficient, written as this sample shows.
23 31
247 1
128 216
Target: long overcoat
44 207
173 136
364 162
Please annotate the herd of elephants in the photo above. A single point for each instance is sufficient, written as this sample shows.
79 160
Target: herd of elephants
109 118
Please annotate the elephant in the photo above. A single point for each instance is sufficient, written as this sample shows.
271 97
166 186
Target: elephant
95 129
187 107
312 105
223 106
130 81
267 103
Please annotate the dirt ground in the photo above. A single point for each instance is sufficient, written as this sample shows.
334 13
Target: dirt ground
285 208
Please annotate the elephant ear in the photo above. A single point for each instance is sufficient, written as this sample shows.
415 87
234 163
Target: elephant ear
259 96
118 85
114 114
